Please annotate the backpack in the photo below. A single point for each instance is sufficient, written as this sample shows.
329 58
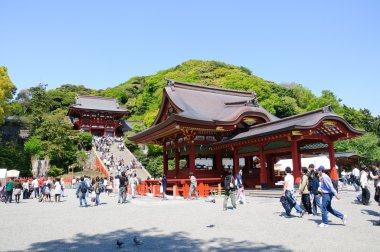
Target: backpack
83 188
228 184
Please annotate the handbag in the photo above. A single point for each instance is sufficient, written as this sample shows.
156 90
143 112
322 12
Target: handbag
161 189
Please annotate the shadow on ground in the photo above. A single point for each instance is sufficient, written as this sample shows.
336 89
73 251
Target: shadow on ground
152 240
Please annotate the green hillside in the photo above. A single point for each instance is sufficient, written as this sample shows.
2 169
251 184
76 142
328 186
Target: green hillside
51 135
142 95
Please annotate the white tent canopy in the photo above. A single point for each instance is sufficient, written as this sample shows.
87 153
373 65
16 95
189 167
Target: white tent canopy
316 161
13 174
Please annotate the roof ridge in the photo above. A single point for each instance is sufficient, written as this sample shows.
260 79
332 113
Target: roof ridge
96 97
201 87
325 109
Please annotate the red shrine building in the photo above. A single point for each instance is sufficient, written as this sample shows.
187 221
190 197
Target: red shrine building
98 115
208 130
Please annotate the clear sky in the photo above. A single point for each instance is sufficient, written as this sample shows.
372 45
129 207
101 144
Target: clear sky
332 45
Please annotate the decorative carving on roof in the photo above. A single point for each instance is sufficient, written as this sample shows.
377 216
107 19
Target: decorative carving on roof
253 101
170 84
327 109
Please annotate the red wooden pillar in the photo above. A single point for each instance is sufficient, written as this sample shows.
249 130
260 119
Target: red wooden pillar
165 162
296 162
191 157
176 160
263 169
236 163
333 171
219 162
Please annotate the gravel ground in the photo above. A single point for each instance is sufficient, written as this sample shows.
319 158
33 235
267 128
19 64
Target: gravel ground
179 225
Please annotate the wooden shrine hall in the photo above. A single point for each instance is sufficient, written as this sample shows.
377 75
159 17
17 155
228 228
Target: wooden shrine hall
208 130
98 115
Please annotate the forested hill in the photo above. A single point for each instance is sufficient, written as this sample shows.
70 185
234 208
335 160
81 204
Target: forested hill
45 112
142 95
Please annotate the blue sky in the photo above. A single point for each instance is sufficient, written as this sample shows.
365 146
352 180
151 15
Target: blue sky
332 45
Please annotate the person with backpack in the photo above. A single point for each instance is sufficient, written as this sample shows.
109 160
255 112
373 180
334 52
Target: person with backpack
289 193
229 188
81 192
97 190
305 188
9 191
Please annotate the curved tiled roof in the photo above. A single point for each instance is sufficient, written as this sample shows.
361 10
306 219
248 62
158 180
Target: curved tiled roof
212 104
97 103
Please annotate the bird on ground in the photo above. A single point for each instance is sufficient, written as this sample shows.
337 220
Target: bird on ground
137 241
119 243
211 226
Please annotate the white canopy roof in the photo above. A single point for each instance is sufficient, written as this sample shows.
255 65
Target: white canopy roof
13 174
316 161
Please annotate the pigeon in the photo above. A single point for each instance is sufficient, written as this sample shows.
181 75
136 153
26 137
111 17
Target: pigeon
211 226
119 243
137 241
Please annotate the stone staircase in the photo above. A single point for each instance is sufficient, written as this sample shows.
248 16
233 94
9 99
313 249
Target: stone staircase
141 172
266 193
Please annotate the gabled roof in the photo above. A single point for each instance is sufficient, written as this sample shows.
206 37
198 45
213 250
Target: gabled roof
97 103
204 105
211 104
303 121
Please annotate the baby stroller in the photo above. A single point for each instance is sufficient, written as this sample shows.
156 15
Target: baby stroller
2 194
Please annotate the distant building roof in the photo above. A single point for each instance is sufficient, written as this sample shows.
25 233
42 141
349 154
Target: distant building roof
97 103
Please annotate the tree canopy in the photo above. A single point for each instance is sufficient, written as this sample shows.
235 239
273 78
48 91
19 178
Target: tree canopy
7 90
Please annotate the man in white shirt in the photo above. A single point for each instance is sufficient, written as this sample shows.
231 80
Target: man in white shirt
356 174
364 184
36 188
289 193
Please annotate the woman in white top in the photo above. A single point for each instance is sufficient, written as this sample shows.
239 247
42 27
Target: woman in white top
57 190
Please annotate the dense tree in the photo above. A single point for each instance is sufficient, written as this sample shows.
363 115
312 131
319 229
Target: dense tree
7 90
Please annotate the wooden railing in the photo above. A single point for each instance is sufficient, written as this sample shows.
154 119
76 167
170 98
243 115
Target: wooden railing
181 187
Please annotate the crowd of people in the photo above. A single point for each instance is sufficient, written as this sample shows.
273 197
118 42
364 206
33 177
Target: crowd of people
112 163
39 188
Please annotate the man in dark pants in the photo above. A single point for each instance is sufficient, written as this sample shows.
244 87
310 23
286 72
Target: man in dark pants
229 184
304 190
9 191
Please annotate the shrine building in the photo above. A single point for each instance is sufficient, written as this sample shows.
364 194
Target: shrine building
98 115
208 130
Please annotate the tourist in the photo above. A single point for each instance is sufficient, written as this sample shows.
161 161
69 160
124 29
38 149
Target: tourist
17 190
81 192
193 186
36 188
57 190
25 187
356 178
366 195
328 192
344 177
97 190
304 190
374 173
62 187
288 192
316 190
123 183
133 181
47 192
229 187
240 188
9 190
377 178
73 183
164 185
